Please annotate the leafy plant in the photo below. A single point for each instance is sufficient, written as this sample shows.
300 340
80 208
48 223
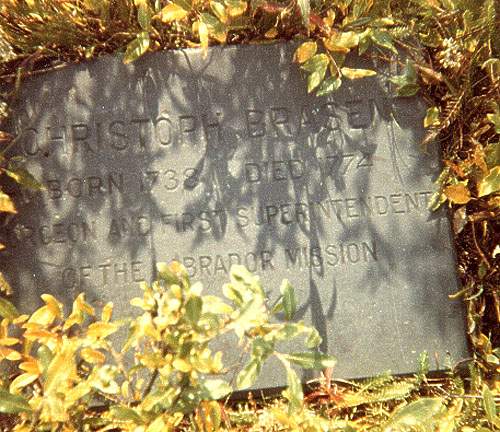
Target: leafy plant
67 368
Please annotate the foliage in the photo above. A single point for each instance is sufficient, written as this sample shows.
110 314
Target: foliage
451 57
67 368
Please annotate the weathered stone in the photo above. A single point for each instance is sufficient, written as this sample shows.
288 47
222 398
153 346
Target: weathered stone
223 159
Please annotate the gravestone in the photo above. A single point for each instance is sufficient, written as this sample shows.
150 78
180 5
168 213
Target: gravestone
222 157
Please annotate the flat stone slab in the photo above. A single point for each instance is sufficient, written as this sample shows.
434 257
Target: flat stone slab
223 158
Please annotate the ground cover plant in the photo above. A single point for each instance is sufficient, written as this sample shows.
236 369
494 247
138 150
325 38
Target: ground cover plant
453 49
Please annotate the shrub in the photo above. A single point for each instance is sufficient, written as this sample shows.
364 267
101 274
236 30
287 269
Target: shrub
70 375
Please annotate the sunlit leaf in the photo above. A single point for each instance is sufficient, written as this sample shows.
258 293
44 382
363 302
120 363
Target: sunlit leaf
136 48
423 413
12 404
457 193
236 8
289 301
311 360
342 41
22 381
248 374
123 413
314 339
491 183
101 330
214 389
357 73
495 119
305 10
24 178
317 66
172 12
293 392
6 204
431 117
489 404
5 287
182 365
305 51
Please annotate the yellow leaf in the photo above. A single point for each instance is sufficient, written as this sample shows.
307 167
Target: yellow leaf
76 393
457 194
9 354
61 371
342 42
172 12
8 341
181 365
30 366
357 73
305 51
236 8
432 117
271 33
6 204
92 356
101 330
22 381
107 312
4 285
55 306
203 34
219 11
158 425
43 316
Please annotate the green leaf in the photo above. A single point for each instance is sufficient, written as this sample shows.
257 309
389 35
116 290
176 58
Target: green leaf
215 389
328 86
261 349
7 309
364 41
305 10
491 183
357 73
314 339
144 14
431 117
383 39
423 413
492 154
12 404
289 301
193 309
24 178
162 397
311 360
408 90
495 119
316 63
317 66
123 413
293 392
44 354
136 48
248 374
406 83
489 405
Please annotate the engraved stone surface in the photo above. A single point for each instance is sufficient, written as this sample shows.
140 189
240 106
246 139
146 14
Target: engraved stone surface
223 158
